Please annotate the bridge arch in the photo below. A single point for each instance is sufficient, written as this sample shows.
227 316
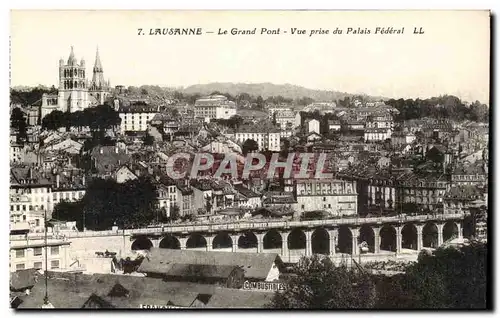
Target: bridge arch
170 242
344 244
222 240
388 238
272 240
366 234
196 240
142 243
450 231
409 236
247 240
296 240
430 235
320 241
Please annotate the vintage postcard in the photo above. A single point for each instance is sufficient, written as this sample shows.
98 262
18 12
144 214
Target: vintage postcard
249 159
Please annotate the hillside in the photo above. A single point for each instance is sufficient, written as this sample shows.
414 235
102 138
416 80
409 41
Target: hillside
268 89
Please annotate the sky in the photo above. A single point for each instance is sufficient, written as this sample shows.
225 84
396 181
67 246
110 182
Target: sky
451 57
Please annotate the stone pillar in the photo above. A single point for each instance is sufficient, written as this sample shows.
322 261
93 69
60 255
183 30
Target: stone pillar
355 236
209 240
308 242
284 244
183 241
376 239
260 242
420 238
334 234
156 242
440 234
399 239
234 239
460 231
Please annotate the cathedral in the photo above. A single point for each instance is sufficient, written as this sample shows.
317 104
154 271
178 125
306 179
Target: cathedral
75 93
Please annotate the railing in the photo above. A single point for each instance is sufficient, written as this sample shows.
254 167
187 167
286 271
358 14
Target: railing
244 225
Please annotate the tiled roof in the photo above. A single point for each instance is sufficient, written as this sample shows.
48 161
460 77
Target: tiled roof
256 265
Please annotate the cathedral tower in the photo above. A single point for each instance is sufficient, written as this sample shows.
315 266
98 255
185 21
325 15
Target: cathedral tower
73 93
98 88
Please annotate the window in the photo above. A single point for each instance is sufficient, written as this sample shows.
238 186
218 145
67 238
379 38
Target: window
20 267
19 253
37 265
24 217
37 251
54 264
54 250
37 222
302 207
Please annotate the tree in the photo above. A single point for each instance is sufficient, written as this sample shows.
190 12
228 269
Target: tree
174 213
18 122
451 278
148 140
69 211
260 102
317 283
249 145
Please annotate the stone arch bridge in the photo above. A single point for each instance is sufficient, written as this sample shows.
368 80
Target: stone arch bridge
382 236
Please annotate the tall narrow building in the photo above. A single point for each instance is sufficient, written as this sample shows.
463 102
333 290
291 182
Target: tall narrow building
73 93
98 88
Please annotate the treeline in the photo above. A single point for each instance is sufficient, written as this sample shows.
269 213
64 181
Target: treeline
452 278
446 106
96 118
107 203
247 100
29 96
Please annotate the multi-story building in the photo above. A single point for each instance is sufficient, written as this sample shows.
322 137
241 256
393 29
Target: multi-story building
30 191
470 174
285 119
377 134
400 138
25 254
17 152
380 120
266 135
214 107
426 191
68 187
135 118
334 196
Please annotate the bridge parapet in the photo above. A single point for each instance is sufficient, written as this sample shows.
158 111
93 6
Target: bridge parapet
243 225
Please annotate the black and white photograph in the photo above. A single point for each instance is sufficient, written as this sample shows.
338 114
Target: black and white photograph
280 159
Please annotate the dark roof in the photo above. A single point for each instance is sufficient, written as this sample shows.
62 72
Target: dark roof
70 290
23 279
256 265
199 270
245 191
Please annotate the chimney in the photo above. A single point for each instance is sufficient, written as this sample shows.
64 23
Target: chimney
83 180
116 149
30 172
58 180
101 151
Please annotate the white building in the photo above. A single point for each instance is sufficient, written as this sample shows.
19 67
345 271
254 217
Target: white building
30 192
135 118
285 119
377 134
214 107
402 138
265 140
334 196
313 126
25 254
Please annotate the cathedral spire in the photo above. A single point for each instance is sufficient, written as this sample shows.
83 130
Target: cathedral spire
71 59
97 64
